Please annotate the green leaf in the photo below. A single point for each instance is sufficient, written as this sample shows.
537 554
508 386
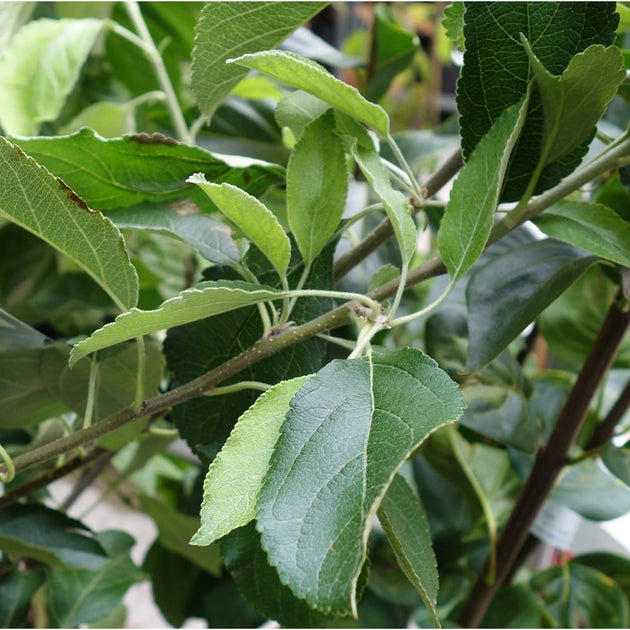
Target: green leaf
571 323
16 592
514 606
108 119
309 76
34 531
348 431
617 460
615 567
317 186
211 298
211 238
577 595
79 596
252 216
509 292
174 532
235 475
467 220
574 101
116 378
123 172
206 422
39 68
395 49
591 226
497 73
39 202
259 582
502 414
453 23
593 492
229 29
297 109
396 204
405 525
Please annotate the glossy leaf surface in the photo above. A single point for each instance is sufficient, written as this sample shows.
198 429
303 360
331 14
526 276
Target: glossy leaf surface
509 292
591 226
349 429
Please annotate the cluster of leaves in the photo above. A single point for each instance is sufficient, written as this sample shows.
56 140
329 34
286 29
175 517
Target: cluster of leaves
378 463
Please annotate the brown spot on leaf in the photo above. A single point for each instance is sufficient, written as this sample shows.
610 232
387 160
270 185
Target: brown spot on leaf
73 196
153 138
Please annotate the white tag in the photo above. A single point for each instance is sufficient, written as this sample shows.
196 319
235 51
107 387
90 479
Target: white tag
556 525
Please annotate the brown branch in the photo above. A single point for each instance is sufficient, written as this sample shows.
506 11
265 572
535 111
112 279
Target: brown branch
550 461
605 430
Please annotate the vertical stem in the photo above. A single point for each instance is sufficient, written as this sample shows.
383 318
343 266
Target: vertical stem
605 430
153 53
549 462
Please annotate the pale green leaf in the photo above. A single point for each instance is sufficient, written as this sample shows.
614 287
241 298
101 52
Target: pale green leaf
228 29
574 101
211 298
591 226
39 69
396 204
309 76
468 215
252 216
235 475
349 429
405 525
297 109
43 204
317 186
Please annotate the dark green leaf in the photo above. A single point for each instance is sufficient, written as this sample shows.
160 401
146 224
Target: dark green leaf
501 414
404 522
509 292
79 596
591 491
349 429
175 530
196 348
33 198
578 596
514 606
123 172
39 69
571 323
591 226
230 29
16 591
467 220
615 567
35 531
497 73
317 186
260 584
